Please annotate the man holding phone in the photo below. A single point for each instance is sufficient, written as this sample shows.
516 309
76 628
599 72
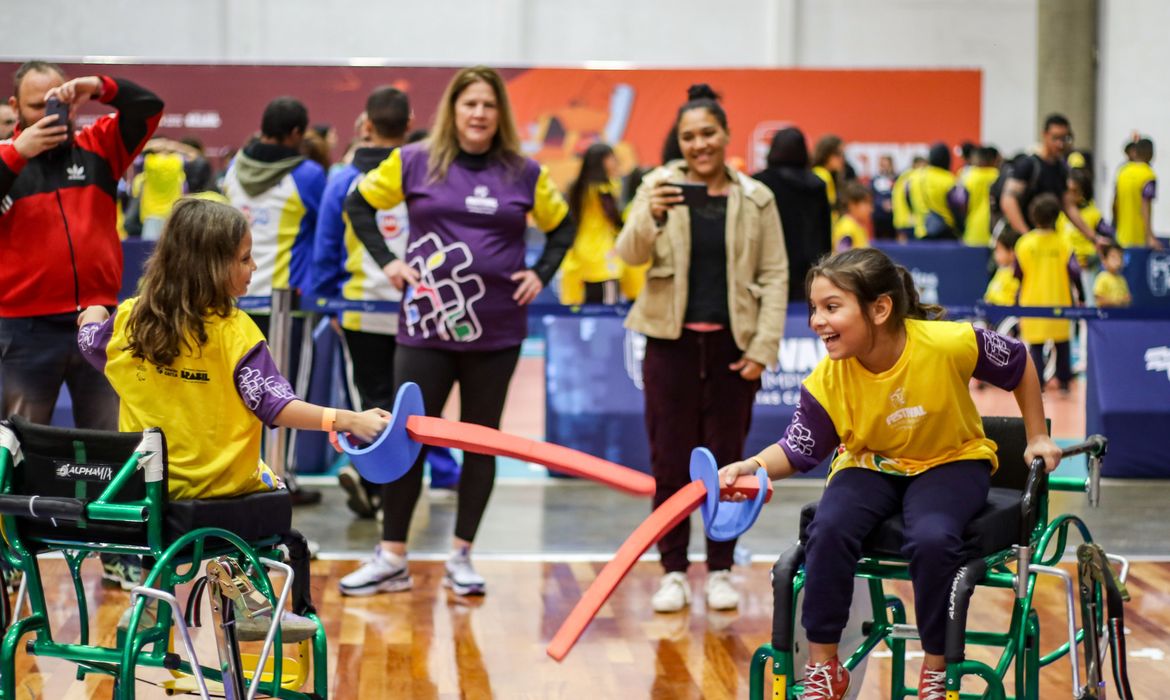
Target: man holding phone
59 247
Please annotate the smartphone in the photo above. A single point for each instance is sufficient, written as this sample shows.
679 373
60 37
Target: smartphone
55 106
693 195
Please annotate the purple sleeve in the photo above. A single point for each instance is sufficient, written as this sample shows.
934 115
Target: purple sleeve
263 388
1150 191
811 436
957 202
92 339
1074 268
1017 271
1001 361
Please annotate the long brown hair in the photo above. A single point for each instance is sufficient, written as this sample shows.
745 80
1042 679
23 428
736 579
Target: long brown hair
443 145
868 273
187 279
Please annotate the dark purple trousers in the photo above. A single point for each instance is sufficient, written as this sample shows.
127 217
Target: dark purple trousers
693 400
936 507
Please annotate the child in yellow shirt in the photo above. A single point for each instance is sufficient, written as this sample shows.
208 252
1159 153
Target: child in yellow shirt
1110 288
1004 287
851 230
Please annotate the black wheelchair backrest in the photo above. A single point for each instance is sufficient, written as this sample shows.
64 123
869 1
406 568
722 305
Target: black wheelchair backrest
1010 439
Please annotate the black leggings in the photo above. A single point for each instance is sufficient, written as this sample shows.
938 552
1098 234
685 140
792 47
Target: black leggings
483 378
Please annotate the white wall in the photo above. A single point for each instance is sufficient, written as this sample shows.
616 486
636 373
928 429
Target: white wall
998 36
1130 95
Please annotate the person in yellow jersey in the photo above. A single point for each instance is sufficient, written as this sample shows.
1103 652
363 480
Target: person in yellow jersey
936 200
1133 199
829 165
1049 274
890 402
850 230
1080 188
976 181
1110 288
592 271
1004 286
183 358
900 201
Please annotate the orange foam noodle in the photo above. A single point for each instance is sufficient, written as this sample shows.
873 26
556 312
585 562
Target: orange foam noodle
666 516
483 440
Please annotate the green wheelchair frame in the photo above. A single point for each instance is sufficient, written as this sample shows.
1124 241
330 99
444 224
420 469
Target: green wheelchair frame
1020 644
176 561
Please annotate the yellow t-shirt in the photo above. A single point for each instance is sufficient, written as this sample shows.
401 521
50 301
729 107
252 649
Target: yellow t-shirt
1043 258
978 181
1111 290
213 438
929 188
914 416
1082 247
830 190
849 227
592 257
1135 182
900 203
161 184
1003 288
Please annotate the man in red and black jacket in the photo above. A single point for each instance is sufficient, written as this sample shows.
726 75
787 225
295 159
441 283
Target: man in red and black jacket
59 247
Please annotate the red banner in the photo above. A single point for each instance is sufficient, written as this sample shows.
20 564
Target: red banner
560 111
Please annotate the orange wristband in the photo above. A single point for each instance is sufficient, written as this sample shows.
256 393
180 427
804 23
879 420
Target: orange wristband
759 461
328 418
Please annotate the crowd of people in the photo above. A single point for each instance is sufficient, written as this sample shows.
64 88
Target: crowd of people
709 255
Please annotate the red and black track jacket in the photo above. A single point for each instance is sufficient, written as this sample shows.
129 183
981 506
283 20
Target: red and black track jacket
59 247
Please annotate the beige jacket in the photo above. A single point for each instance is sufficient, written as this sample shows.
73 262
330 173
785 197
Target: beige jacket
757 264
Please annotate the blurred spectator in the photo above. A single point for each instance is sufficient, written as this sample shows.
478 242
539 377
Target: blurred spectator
1133 200
591 271
314 147
1004 286
935 200
7 121
1080 187
881 187
904 220
977 180
803 205
1110 287
849 231
829 165
1044 172
59 186
279 190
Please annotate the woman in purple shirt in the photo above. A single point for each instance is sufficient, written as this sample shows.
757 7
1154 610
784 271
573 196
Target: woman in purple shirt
469 192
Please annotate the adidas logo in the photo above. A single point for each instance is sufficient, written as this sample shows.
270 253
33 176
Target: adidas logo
75 172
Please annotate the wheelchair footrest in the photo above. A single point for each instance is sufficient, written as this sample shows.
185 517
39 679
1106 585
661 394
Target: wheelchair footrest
897 631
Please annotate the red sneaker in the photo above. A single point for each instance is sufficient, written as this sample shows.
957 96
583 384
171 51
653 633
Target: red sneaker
932 685
825 681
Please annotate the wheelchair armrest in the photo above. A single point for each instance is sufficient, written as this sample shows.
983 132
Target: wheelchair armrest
783 599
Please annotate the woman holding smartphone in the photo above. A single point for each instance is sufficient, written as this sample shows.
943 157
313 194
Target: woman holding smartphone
712 311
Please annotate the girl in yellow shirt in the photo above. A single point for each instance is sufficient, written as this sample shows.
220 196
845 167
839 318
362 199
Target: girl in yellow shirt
891 402
591 271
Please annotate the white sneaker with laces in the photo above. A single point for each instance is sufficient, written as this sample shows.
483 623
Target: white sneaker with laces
673 594
462 577
721 593
382 573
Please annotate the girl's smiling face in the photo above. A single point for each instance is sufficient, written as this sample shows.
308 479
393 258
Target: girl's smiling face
837 317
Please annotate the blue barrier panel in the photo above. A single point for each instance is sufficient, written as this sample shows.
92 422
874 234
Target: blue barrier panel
594 403
1148 274
945 273
1129 395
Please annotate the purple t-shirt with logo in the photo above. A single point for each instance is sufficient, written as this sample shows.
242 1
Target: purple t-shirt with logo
466 241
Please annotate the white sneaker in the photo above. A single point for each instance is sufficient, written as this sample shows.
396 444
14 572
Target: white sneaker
673 594
461 576
721 593
382 573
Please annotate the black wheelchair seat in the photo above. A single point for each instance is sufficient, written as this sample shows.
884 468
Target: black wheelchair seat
994 528
252 517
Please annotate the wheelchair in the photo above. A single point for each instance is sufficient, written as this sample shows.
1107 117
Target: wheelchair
76 493
1013 528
